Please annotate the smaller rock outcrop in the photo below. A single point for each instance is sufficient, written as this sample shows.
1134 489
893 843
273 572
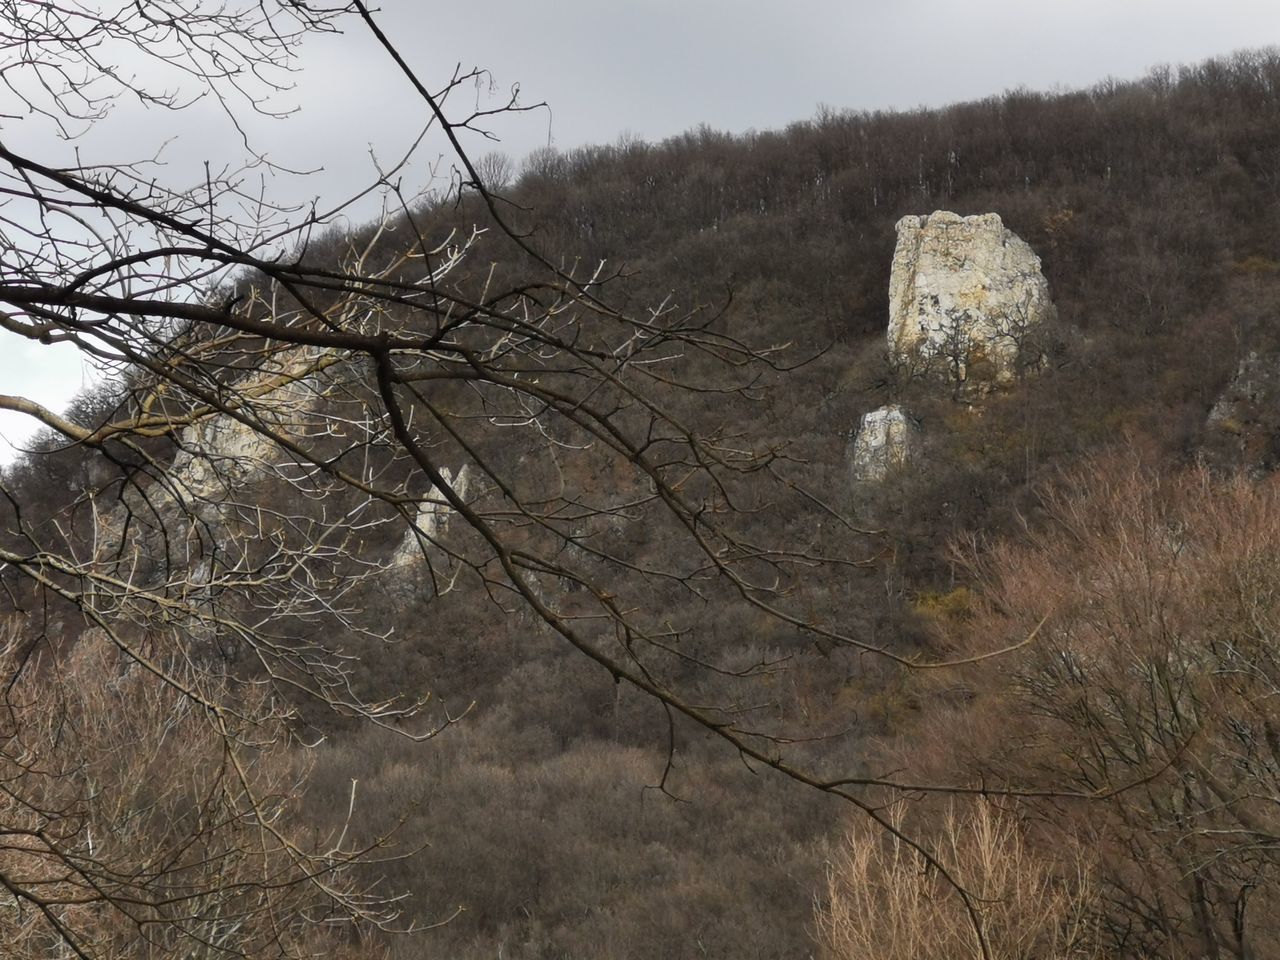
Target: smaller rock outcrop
887 439
965 297
432 520
1244 422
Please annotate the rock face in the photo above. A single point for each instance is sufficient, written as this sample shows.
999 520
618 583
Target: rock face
431 522
1244 423
886 440
218 453
202 496
965 295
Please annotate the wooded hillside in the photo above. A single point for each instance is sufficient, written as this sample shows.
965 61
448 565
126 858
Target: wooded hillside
716 549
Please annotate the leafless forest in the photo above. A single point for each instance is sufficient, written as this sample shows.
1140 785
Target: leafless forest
490 580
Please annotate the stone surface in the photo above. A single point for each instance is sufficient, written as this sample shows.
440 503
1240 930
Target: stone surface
219 453
1244 422
203 493
886 440
431 522
965 297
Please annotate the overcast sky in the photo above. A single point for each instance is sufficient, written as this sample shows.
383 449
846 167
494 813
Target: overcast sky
652 69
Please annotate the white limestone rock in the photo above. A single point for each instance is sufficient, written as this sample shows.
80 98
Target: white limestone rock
421 540
1244 422
886 440
219 453
965 297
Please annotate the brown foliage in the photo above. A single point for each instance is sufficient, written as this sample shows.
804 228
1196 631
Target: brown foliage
884 902
1145 711
133 828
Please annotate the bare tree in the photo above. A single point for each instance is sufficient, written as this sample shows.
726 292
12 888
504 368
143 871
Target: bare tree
1153 687
130 829
288 400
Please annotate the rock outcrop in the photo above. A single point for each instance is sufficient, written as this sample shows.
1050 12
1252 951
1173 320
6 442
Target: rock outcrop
422 539
885 441
967 304
965 297
219 453
1244 422
196 507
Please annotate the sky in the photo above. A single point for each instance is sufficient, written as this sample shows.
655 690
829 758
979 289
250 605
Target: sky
652 69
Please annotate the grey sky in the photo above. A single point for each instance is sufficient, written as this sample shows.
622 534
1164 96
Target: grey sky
653 69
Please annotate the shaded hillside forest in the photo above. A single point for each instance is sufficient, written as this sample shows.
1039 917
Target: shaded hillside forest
1092 508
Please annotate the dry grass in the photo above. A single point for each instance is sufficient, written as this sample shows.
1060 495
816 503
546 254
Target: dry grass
885 903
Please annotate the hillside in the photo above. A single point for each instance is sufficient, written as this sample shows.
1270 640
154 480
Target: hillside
658 477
